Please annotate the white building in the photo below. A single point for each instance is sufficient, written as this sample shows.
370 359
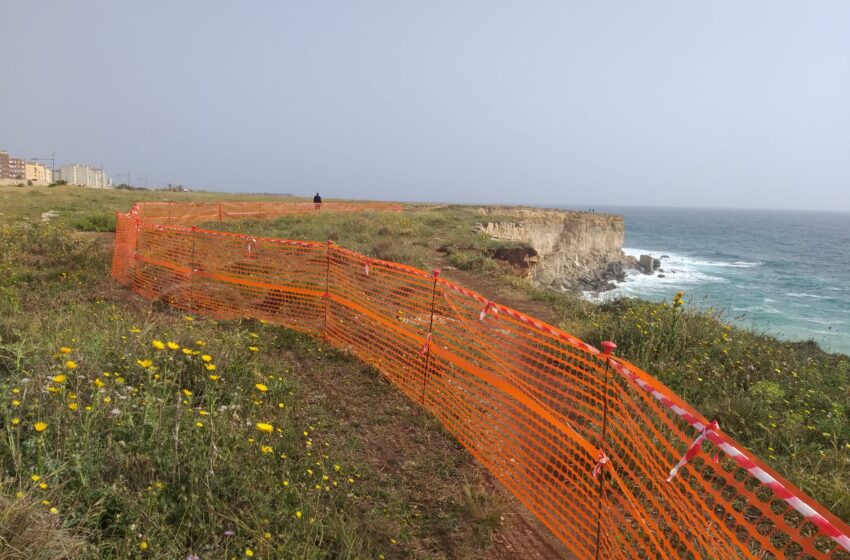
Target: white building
84 175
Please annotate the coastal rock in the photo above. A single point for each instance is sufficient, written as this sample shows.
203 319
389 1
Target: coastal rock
647 263
569 251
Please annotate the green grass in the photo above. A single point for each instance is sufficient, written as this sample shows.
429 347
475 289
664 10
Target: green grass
150 443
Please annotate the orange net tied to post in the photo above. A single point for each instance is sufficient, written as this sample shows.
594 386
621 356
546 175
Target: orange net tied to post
608 458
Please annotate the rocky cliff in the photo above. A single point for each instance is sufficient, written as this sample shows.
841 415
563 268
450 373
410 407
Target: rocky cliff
575 250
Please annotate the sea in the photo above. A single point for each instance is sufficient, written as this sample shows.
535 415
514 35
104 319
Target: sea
782 273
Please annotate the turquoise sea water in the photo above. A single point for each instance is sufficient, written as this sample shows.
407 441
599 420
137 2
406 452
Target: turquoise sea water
784 273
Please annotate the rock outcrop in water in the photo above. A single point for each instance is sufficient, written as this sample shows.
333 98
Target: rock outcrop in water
573 251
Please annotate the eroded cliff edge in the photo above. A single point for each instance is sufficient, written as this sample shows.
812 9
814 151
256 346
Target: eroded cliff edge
575 251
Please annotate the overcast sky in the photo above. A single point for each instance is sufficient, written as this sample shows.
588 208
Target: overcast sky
729 104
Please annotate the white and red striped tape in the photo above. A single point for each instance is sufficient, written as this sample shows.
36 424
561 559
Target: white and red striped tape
723 443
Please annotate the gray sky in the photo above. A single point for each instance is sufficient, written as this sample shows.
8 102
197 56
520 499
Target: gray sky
742 104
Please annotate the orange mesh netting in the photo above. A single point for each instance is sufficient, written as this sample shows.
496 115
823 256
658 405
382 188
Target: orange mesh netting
585 440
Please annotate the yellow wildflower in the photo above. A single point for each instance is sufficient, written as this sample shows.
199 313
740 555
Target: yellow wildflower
16 402
72 405
43 486
187 392
187 351
35 478
40 426
249 552
200 342
64 350
206 358
173 345
135 330
71 364
99 383
265 427
253 348
16 421
267 449
261 388
59 378
199 424
54 511
298 514
145 363
143 545
158 344
210 367
214 377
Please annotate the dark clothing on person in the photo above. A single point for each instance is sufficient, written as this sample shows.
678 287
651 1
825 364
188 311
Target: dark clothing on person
317 199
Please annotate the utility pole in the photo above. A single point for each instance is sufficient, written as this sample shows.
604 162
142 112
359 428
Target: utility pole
52 160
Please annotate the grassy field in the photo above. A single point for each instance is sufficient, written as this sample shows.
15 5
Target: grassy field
788 402
137 476
133 431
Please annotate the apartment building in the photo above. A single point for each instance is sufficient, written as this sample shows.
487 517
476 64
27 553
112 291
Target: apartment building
37 173
84 175
17 168
4 165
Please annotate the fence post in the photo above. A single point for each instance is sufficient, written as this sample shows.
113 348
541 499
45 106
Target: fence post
192 274
327 295
427 349
219 211
607 348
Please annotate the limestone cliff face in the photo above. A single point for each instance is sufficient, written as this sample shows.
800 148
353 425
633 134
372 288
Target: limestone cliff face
575 250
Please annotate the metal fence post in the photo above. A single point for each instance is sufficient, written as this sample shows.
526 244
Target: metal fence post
607 348
427 349
192 273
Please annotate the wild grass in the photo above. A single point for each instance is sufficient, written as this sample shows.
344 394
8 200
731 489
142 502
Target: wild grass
135 431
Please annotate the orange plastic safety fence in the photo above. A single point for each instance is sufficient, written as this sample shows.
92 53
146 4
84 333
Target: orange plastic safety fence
585 440
191 213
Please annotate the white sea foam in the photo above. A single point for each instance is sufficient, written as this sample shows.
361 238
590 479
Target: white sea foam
805 295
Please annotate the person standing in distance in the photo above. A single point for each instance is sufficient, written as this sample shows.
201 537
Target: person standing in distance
317 200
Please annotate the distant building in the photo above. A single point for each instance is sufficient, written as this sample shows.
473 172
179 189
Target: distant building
37 173
17 168
4 165
84 175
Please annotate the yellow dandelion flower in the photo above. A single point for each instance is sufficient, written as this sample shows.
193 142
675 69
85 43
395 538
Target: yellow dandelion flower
35 478
253 348
267 449
16 390
187 351
158 344
214 377
200 342
64 350
40 426
43 486
248 552
298 514
99 383
16 402
173 345
71 364
16 421
199 424
265 427
119 380
135 330
59 378
143 545
286 483
188 318
187 392
267 536
72 405
280 405
206 358
261 388
145 363
54 511
210 367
